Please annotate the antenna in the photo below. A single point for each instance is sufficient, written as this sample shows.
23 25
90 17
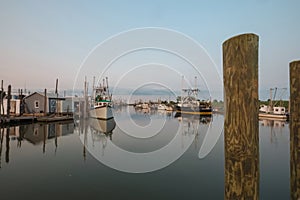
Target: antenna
182 78
196 89
94 82
104 84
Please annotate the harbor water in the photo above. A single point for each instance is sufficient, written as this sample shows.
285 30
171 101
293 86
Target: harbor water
90 159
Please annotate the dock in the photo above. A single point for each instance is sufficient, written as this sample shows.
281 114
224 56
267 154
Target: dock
33 118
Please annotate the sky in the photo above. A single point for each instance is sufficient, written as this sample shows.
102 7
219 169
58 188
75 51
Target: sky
44 40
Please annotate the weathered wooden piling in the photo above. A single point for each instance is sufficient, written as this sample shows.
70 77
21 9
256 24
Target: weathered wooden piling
85 94
45 100
295 129
1 103
240 74
56 92
8 101
22 106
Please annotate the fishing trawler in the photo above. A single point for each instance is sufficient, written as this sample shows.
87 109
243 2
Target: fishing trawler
276 112
101 102
272 111
190 104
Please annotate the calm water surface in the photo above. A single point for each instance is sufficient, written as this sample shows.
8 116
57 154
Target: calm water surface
61 160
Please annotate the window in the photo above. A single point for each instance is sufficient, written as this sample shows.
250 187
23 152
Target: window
36 104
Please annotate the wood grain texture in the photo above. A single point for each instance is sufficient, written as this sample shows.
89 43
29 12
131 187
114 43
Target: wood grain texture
295 129
240 75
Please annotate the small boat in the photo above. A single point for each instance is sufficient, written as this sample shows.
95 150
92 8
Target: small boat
161 107
145 106
101 102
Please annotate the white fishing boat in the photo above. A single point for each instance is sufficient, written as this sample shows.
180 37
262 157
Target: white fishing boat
101 102
276 112
272 111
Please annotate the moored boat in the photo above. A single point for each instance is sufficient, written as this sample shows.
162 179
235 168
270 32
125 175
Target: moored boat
101 102
161 107
190 104
276 112
272 111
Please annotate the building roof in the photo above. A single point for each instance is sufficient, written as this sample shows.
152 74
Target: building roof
49 96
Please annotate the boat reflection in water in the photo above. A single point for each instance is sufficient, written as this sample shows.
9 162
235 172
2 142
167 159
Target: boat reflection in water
276 128
95 133
102 127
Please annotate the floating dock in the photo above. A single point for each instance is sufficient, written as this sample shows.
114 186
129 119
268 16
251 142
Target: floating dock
30 118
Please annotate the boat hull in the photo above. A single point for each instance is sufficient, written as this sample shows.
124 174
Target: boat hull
104 113
272 116
194 111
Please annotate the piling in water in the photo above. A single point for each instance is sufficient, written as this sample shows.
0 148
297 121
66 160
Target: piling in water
295 129
45 102
8 101
240 71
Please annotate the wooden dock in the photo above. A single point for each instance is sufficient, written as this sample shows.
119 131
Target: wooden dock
32 118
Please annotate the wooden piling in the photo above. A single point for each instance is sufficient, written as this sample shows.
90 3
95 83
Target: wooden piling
45 102
21 103
240 74
56 92
1 103
8 101
85 94
295 129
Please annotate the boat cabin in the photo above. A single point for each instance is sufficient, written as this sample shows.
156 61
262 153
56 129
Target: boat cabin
279 110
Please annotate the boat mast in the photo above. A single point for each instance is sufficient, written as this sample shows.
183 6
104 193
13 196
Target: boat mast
271 103
93 98
94 82
107 87
196 89
181 96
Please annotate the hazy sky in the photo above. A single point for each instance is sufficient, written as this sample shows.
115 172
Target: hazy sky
44 40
